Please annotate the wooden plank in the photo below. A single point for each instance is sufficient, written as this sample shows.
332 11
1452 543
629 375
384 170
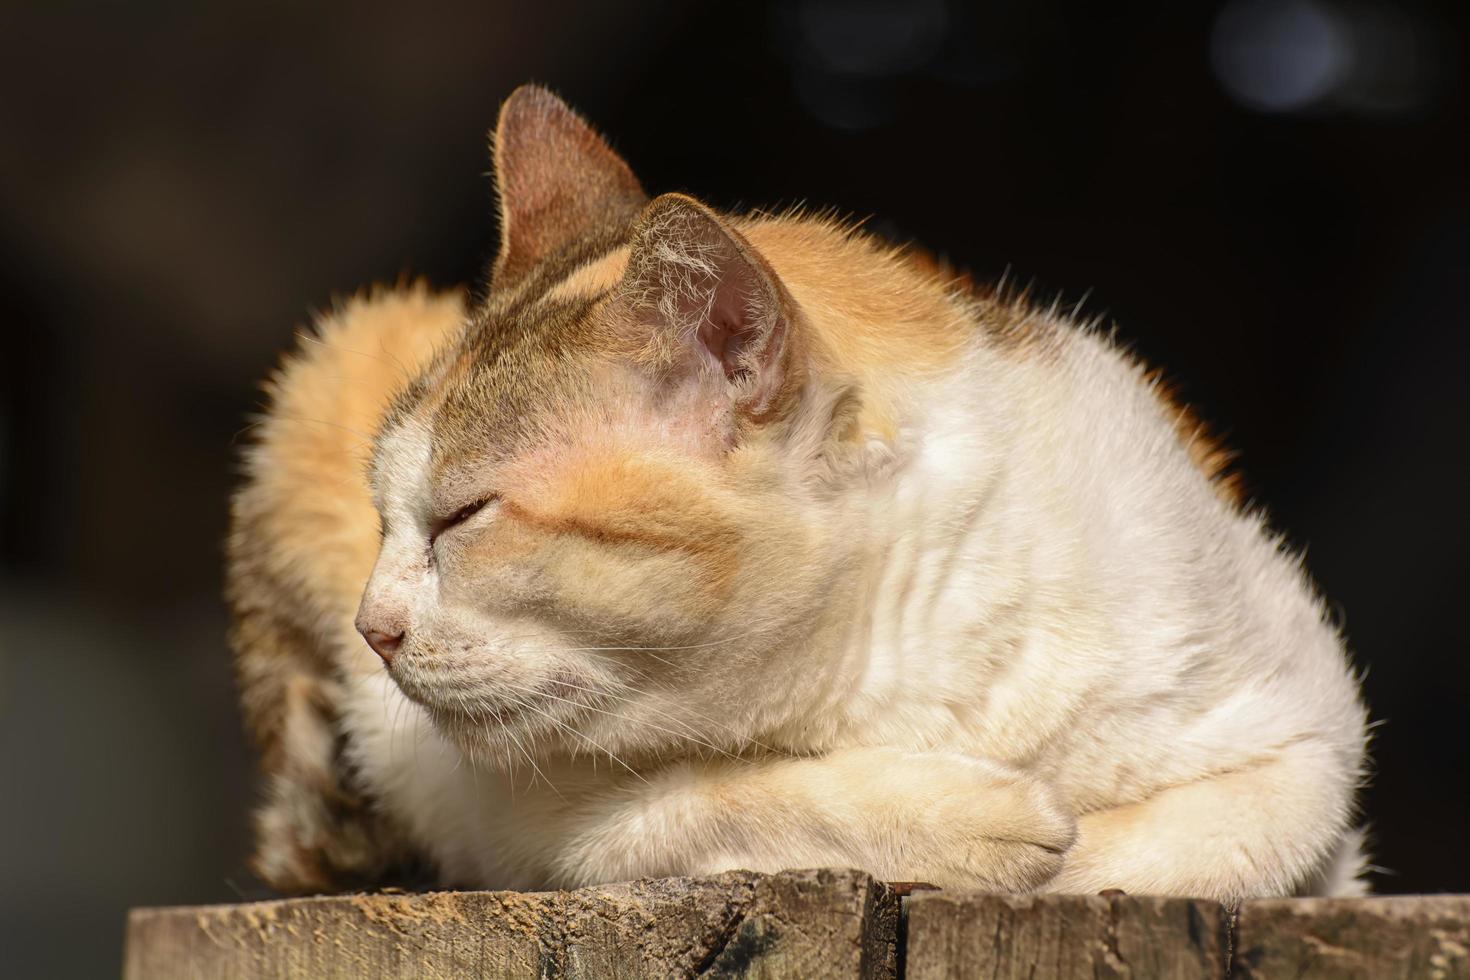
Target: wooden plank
966 934
1404 936
807 923
800 924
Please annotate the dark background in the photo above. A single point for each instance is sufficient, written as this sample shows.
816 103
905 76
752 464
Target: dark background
1268 198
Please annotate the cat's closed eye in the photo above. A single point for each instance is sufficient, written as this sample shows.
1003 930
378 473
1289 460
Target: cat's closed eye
443 524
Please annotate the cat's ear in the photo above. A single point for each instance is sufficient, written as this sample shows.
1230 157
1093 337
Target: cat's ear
558 183
710 304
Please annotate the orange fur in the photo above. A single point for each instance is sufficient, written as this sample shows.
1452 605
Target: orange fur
591 416
301 546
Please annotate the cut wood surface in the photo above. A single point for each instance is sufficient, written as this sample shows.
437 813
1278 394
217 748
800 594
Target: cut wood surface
800 924
1063 937
1403 936
740 924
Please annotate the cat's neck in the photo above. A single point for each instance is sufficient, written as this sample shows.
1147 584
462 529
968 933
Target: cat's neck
960 558
935 555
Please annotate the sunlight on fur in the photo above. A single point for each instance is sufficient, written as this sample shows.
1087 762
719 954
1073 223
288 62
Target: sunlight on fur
710 541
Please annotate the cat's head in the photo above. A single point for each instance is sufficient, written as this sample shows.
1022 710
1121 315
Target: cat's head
596 503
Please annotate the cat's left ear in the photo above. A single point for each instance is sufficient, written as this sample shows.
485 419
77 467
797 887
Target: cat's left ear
710 305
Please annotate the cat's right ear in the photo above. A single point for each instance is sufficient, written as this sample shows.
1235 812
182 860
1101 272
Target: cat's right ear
557 181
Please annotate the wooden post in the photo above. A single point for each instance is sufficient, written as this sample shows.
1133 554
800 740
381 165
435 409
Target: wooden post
1063 937
1405 937
797 924
801 924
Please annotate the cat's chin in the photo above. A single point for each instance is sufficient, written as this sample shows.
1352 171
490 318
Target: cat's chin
520 738
482 722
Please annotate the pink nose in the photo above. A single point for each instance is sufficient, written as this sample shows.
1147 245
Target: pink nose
385 645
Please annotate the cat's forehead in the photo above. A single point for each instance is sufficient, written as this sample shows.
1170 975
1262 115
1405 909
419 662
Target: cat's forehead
521 361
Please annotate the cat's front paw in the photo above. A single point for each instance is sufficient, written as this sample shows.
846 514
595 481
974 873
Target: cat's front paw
989 827
996 865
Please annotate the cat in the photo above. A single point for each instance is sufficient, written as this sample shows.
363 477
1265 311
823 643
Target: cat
705 542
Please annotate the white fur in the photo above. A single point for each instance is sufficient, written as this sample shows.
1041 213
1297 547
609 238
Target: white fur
1047 656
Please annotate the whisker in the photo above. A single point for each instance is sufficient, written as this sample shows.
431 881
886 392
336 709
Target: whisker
470 706
535 768
688 646
691 730
603 711
393 726
577 733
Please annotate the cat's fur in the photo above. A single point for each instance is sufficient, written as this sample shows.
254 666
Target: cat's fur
751 542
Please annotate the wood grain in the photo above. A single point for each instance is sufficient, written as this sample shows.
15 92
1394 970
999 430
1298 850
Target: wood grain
960 934
1403 936
802 924
796 924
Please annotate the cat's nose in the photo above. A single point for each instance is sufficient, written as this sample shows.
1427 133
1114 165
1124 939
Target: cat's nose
385 645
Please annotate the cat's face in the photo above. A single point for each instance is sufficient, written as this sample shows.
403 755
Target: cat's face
592 528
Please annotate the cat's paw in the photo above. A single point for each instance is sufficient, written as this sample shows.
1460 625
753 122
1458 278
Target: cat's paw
997 865
988 826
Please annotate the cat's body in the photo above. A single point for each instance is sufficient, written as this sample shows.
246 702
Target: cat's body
717 542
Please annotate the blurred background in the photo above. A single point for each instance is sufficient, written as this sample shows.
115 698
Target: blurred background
1269 198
